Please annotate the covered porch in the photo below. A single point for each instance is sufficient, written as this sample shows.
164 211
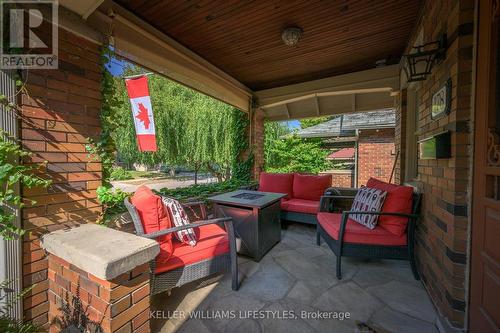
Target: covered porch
294 289
349 58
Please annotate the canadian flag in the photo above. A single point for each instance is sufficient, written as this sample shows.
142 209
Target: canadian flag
142 112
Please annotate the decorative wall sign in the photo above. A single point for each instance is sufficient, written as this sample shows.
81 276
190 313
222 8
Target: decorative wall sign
441 101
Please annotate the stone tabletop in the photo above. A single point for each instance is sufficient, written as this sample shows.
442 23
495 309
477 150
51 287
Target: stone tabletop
247 198
100 251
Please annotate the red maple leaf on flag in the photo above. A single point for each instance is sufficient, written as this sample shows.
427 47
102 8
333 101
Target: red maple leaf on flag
143 115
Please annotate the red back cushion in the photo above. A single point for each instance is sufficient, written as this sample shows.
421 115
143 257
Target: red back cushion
276 183
309 187
399 200
154 217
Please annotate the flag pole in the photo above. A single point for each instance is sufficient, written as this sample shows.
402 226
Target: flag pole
138 75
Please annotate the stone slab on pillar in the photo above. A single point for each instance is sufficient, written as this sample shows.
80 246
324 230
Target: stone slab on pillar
101 276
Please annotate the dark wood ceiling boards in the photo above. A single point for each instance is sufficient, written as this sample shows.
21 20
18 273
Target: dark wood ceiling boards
243 38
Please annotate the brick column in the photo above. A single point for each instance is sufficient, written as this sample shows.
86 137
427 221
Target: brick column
257 128
59 111
99 276
120 305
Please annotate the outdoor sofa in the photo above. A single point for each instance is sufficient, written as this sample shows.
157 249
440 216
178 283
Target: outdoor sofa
303 193
179 263
392 238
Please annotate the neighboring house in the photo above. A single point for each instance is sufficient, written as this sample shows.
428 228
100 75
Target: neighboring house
343 154
363 143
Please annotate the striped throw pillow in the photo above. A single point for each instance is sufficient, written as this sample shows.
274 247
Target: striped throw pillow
367 200
180 218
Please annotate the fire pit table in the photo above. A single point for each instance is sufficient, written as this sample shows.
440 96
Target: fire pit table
256 217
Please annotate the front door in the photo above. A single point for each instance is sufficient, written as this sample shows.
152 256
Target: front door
484 314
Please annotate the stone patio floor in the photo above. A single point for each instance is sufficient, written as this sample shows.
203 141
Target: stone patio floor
297 279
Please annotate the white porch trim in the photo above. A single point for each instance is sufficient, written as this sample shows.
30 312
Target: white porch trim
354 92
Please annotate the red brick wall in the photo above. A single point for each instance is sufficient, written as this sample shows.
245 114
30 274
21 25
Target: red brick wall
119 305
60 110
442 235
375 154
341 178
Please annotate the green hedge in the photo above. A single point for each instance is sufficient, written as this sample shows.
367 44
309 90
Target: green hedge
203 191
112 199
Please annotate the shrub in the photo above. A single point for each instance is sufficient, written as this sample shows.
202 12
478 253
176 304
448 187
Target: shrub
202 191
118 173
112 201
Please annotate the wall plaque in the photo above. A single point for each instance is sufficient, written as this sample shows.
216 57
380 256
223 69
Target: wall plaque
441 101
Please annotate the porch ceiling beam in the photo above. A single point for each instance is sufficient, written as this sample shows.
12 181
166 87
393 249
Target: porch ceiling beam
72 21
331 105
82 7
384 78
139 42
326 94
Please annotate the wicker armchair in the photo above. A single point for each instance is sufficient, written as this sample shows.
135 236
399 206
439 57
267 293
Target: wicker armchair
341 248
177 277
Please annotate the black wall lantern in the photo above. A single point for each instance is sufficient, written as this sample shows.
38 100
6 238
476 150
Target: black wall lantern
418 63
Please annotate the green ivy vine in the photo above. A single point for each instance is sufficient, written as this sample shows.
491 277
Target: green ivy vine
13 173
103 148
242 167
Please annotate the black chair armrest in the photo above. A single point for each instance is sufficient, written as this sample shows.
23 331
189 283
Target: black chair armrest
350 191
339 196
327 202
224 220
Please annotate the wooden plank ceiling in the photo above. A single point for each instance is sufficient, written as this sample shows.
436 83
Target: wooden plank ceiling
243 38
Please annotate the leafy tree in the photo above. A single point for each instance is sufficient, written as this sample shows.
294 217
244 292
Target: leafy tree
192 129
289 153
274 132
309 122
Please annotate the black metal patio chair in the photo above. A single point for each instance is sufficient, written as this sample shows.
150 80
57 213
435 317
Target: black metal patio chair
341 248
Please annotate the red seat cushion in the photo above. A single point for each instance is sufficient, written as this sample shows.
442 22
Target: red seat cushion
358 233
310 187
212 241
300 206
154 217
276 183
399 199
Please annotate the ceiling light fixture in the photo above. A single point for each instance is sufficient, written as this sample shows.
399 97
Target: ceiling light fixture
291 35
